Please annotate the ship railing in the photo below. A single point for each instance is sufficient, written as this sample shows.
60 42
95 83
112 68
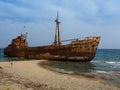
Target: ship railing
67 40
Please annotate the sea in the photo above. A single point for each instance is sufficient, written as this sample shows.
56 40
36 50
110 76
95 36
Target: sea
105 65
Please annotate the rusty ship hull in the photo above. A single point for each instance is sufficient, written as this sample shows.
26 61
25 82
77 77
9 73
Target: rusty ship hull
76 50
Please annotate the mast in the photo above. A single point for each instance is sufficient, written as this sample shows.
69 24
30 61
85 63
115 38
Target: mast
57 41
24 37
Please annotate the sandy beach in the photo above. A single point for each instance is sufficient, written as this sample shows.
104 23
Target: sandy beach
28 75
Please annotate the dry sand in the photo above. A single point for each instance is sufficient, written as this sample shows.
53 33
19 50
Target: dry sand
27 75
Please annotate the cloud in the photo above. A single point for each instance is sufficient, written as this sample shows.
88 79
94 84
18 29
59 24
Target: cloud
78 18
15 12
88 11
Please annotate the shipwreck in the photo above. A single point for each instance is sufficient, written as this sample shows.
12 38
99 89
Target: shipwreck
77 50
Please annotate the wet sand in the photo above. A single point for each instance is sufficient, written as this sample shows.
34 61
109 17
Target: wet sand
28 75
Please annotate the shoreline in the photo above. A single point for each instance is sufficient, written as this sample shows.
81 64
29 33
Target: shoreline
30 76
105 77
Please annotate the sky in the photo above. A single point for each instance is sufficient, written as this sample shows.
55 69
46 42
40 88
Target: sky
78 19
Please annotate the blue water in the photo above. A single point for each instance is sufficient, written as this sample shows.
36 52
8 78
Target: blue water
107 60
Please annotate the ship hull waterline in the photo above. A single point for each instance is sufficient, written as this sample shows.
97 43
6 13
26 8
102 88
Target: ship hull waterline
51 53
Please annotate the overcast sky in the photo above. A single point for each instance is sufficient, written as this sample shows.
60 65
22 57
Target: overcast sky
79 19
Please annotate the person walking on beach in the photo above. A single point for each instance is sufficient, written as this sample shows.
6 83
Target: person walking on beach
11 64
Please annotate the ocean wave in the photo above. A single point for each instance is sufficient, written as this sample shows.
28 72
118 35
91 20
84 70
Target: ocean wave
108 62
112 63
101 71
96 61
63 71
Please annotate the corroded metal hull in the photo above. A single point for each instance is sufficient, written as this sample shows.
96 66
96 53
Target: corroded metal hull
77 50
